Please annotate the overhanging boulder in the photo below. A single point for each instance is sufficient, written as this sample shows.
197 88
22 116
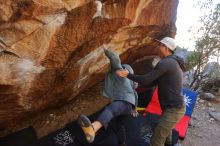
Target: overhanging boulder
50 50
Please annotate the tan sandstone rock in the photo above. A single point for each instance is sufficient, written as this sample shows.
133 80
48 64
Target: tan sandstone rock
50 50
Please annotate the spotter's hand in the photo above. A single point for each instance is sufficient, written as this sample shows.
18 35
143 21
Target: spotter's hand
122 73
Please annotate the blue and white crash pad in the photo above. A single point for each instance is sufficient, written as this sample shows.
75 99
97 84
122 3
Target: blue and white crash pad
190 101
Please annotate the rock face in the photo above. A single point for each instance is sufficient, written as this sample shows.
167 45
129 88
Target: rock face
210 81
50 49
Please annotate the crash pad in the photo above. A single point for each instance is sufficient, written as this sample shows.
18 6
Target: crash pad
138 133
190 100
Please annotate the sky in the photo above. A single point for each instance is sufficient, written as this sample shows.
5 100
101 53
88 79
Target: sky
187 18
188 15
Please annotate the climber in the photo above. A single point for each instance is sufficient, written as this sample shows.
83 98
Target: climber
124 100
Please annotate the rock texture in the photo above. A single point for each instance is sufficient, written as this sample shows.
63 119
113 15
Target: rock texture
50 50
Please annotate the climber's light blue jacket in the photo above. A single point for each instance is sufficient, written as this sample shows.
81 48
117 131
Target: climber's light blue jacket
115 87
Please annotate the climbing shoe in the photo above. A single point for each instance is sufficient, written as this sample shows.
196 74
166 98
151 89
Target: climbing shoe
87 128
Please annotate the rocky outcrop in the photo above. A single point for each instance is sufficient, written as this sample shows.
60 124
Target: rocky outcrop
50 49
207 96
209 79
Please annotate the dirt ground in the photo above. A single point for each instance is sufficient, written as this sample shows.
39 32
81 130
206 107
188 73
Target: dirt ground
203 130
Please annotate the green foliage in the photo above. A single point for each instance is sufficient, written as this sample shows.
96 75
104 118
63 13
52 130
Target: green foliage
207 42
192 60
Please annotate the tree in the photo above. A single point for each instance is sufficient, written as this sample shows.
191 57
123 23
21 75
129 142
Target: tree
207 44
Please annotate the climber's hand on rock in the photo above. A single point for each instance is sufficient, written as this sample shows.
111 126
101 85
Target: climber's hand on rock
105 46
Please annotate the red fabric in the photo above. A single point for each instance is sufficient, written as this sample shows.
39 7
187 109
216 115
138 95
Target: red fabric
154 108
154 105
182 126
